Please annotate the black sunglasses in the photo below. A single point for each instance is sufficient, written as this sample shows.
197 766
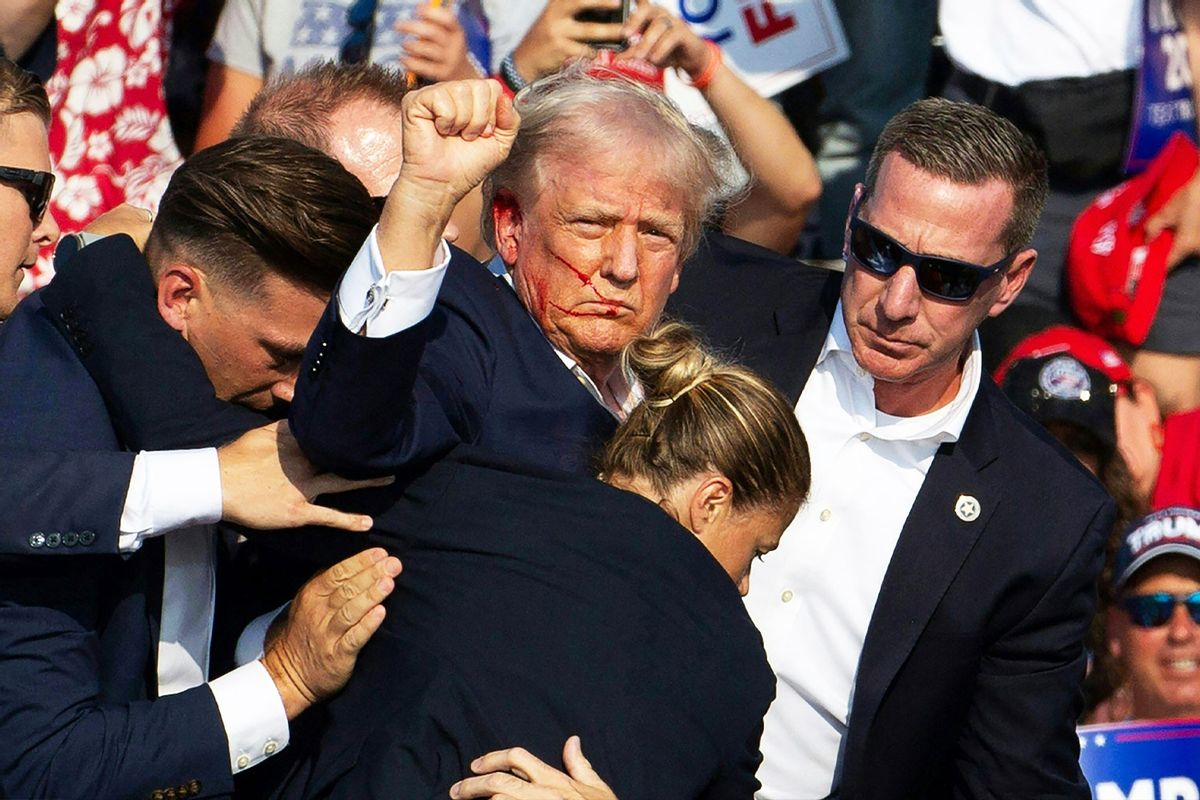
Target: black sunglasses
361 18
943 278
1153 610
35 186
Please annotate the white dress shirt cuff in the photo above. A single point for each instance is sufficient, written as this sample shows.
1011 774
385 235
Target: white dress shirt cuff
388 302
252 713
169 489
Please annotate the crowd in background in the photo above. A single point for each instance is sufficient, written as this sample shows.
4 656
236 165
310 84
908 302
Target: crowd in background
1102 346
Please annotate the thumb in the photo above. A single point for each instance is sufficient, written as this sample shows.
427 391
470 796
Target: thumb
1165 217
578 767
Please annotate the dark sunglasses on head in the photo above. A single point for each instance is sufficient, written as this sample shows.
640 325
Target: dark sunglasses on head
34 185
361 18
1153 610
943 278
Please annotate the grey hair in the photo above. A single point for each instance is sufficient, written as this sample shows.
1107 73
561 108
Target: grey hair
573 113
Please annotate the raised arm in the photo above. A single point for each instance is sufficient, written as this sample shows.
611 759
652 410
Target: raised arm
364 404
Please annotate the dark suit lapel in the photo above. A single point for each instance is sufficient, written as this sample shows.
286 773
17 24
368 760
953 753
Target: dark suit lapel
933 545
788 357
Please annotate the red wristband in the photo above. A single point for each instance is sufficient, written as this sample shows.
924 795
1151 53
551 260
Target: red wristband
710 69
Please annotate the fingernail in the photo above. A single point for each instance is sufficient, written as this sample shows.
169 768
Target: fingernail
476 764
454 790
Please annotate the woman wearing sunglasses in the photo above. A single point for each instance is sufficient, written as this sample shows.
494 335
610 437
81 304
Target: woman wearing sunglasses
25 179
1154 623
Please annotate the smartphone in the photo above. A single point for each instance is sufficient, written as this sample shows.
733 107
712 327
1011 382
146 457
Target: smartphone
615 16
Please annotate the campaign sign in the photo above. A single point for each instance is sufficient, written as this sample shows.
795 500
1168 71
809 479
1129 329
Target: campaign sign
771 44
1164 96
1142 760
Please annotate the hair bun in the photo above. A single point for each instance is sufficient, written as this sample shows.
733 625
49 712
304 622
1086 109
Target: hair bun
668 362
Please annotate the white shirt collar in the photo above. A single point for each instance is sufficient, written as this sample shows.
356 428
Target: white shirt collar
943 424
623 386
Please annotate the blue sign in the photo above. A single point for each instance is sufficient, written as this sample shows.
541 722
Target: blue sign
1164 95
1142 760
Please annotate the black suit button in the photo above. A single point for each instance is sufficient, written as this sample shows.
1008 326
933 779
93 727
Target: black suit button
194 786
70 539
183 790
53 539
87 538
169 794
37 539
157 795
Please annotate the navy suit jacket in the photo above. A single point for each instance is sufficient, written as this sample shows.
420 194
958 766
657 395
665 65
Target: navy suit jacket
536 605
477 371
78 633
968 683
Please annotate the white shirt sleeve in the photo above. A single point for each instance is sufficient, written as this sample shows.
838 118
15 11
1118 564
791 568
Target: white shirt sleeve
388 302
237 42
252 713
169 489
251 643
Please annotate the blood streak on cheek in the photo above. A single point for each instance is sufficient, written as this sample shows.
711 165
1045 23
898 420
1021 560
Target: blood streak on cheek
609 311
586 280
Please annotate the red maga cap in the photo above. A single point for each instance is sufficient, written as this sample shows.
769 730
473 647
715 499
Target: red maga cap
1115 276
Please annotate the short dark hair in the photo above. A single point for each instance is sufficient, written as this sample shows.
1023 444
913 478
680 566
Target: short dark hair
299 106
971 145
253 204
22 93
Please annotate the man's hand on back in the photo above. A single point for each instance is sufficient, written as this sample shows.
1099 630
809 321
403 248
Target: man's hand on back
311 654
267 483
517 774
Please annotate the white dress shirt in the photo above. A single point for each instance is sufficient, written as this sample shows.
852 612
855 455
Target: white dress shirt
1014 42
813 597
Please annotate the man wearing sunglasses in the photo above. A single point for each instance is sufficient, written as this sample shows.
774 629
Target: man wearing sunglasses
1154 625
25 180
925 619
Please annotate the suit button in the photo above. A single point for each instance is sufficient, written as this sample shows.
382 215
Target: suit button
183 790
157 795
169 794
53 539
270 747
70 539
37 539
243 761
194 787
87 538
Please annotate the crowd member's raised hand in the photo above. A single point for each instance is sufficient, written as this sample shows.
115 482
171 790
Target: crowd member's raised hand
454 134
436 47
785 183
267 483
311 650
559 36
517 774
657 36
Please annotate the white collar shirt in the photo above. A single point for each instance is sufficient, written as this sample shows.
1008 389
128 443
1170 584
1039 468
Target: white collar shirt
813 597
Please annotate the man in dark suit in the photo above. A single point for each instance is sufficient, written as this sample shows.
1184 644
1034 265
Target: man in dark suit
536 605
86 713
524 361
926 617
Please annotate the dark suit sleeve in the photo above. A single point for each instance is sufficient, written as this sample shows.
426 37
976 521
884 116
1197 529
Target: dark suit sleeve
62 503
736 780
157 393
1019 736
372 406
62 739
